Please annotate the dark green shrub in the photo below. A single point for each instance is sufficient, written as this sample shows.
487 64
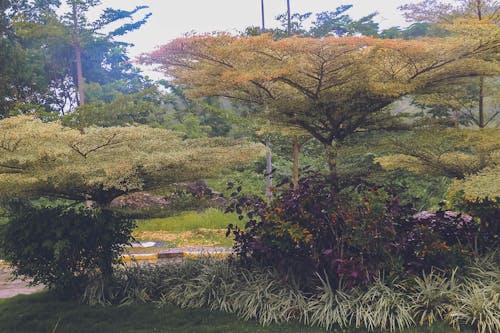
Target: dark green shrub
487 210
437 239
62 246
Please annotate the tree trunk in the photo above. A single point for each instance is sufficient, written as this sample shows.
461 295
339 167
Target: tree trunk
295 171
78 55
79 73
479 8
481 102
269 173
331 155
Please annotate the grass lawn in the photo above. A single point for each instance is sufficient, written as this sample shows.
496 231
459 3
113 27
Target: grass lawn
41 313
188 229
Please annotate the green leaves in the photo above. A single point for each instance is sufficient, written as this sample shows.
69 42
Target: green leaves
61 246
103 163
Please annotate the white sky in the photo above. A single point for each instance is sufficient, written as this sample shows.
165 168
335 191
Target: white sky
173 18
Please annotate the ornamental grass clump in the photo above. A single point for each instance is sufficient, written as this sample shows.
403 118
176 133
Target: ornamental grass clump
430 296
211 287
462 298
478 305
258 293
382 307
266 296
476 301
329 307
486 268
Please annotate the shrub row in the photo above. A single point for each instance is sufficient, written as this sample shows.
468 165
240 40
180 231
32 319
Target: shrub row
353 236
470 298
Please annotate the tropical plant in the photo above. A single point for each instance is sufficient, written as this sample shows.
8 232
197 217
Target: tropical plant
477 305
382 307
442 239
330 307
100 164
353 239
431 295
330 87
62 246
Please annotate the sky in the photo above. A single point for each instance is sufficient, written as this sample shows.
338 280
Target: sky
174 18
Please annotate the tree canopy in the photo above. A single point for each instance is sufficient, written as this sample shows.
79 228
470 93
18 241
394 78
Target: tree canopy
330 87
437 11
39 67
455 153
99 164
468 101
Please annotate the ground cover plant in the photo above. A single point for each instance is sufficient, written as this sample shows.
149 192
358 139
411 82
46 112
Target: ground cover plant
465 298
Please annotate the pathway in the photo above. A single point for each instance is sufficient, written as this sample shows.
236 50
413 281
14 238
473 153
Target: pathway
10 287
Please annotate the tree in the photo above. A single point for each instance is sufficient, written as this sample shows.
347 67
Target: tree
330 87
22 70
470 157
76 19
338 23
40 70
107 108
329 23
460 100
99 164
445 15
454 153
437 11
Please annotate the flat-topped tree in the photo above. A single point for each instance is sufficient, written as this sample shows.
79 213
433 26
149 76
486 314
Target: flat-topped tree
99 164
330 87
469 101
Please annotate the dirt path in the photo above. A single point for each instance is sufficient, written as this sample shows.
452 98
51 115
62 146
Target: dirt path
9 287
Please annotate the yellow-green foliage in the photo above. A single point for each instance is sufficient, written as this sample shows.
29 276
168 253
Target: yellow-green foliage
39 158
482 186
444 151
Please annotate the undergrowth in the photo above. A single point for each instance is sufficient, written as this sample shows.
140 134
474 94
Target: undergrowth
463 299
